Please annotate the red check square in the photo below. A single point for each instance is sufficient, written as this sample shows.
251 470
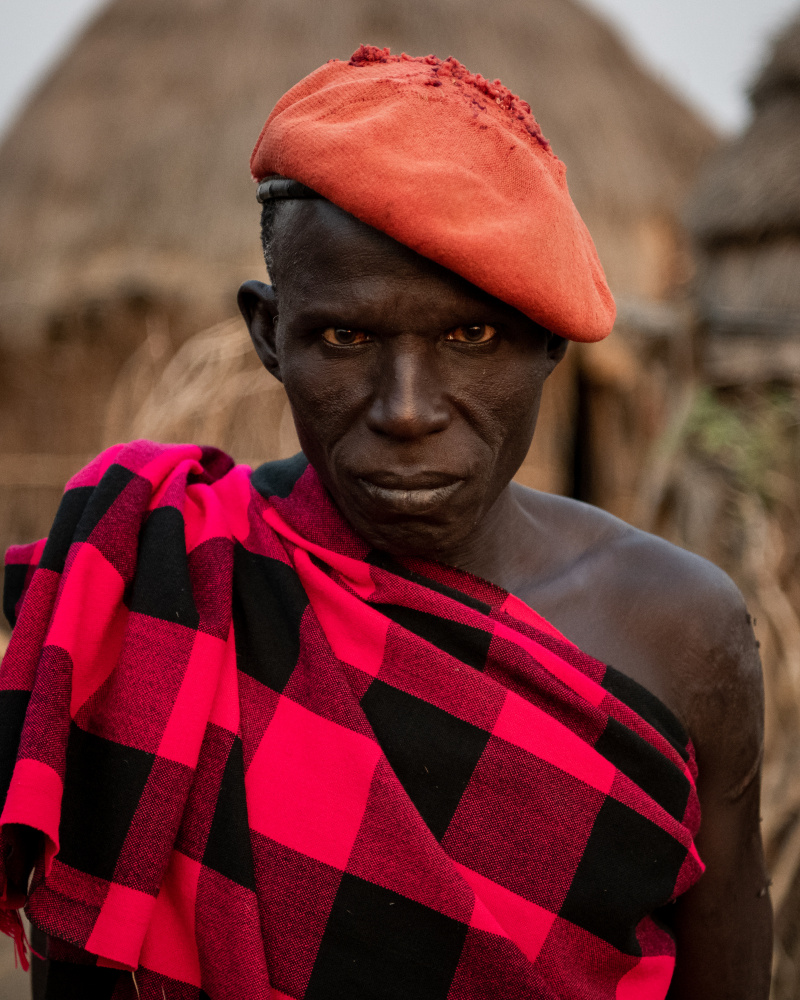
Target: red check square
308 783
170 946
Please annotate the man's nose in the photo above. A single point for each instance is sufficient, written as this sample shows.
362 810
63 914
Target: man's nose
409 401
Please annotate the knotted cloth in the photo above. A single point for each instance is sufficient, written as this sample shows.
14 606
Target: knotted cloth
271 763
453 166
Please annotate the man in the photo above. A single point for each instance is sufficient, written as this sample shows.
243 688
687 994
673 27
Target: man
406 769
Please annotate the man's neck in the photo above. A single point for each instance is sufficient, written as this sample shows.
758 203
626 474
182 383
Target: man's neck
494 550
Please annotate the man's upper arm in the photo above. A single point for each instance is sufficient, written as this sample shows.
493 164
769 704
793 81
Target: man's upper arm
724 923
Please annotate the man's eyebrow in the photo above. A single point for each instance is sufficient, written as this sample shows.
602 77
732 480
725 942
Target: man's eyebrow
321 315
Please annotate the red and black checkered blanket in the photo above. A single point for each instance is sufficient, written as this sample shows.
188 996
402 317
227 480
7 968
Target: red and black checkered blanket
269 762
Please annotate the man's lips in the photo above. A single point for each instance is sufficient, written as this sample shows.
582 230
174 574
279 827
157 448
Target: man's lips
417 493
422 480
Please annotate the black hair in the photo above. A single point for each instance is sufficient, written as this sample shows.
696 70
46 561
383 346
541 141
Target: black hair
271 191
269 211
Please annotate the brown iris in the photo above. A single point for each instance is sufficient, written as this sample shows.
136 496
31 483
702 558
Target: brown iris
340 337
481 333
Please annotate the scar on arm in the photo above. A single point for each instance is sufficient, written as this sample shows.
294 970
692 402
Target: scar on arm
741 786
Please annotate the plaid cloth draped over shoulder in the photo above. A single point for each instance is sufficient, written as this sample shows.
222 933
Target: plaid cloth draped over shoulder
271 763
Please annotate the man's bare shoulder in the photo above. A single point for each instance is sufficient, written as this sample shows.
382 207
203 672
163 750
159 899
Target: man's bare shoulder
669 618
642 571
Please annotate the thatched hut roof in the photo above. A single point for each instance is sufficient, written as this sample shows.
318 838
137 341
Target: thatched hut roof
744 215
125 180
751 187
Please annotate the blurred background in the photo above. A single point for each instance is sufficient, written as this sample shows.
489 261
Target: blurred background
128 220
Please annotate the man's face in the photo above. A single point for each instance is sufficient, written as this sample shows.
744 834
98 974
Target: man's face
414 393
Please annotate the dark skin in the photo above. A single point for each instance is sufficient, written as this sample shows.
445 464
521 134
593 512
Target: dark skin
415 396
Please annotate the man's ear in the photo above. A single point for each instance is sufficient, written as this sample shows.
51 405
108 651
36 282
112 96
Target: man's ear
259 306
556 348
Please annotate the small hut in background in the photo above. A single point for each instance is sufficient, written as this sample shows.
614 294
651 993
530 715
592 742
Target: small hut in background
744 215
128 219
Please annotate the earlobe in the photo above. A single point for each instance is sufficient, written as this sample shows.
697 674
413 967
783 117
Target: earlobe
259 307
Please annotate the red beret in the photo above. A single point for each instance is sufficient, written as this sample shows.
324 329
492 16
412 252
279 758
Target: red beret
452 166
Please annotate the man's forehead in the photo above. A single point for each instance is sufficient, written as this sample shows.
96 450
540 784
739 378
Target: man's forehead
321 228
317 241
323 257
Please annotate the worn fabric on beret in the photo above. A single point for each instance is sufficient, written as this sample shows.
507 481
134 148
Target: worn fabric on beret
454 167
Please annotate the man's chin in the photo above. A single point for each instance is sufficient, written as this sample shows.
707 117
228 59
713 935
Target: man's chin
421 523
411 537
395 505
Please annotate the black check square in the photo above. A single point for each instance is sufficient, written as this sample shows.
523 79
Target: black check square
646 766
382 945
628 869
103 787
228 848
268 605
463 642
14 582
161 586
13 706
115 480
70 514
432 752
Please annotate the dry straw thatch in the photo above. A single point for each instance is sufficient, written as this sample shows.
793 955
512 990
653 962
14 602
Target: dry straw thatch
749 189
745 217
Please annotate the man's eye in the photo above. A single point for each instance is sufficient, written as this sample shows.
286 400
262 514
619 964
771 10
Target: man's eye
480 334
343 338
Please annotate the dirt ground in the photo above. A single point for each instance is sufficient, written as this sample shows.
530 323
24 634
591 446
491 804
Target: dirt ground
14 983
